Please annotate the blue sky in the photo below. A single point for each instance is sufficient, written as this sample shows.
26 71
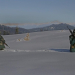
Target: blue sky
37 11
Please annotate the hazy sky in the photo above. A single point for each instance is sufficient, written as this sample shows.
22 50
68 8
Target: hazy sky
37 11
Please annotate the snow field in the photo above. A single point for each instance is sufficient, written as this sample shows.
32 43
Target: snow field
46 53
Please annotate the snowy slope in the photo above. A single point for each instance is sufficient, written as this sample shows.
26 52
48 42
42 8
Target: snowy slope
39 40
46 53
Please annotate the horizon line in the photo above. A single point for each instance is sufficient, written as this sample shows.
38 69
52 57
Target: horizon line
53 22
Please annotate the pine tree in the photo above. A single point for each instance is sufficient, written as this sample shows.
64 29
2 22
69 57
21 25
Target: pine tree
16 30
4 32
0 32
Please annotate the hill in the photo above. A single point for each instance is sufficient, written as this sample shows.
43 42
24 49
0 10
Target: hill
11 30
61 26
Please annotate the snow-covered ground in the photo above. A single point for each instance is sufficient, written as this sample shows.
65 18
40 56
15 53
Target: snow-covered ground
46 53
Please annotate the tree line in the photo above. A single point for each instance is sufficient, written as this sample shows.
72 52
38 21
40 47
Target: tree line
4 32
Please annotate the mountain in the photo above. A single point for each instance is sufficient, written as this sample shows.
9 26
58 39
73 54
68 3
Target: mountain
61 26
11 30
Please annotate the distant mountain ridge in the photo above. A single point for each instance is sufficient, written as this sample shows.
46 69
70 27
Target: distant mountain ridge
61 26
11 30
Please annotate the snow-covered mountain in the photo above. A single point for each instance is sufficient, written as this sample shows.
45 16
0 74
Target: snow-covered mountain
61 26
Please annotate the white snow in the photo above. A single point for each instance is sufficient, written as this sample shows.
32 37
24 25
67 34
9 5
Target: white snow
46 53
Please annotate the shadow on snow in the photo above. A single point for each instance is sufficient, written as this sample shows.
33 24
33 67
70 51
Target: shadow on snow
61 50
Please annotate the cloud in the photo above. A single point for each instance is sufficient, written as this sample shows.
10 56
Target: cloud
10 24
56 22
47 23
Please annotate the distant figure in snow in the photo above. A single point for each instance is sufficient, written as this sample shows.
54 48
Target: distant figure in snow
2 42
72 41
27 37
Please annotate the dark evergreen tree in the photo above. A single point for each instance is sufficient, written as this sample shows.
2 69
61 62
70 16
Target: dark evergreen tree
0 32
5 32
16 30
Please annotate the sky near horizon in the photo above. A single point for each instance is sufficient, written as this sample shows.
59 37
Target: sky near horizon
37 11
